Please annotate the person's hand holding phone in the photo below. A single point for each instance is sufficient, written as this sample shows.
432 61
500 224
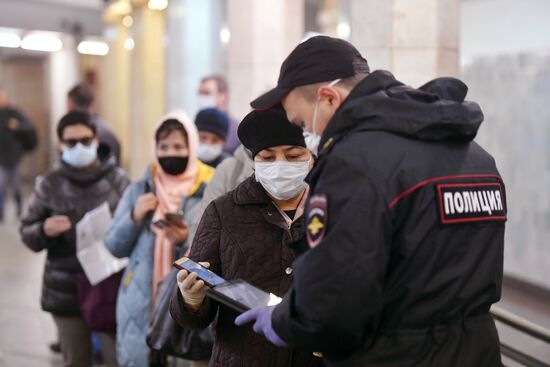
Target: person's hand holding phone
56 225
145 204
192 289
177 232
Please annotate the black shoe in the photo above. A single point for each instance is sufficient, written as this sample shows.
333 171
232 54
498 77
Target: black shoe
55 347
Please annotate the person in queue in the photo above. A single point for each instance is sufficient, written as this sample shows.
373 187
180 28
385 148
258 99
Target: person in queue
249 234
214 93
405 220
229 174
212 125
82 98
174 183
61 198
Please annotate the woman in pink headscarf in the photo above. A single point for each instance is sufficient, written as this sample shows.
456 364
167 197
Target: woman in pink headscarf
150 227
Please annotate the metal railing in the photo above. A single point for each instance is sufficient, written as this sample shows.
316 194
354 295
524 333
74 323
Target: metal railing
526 327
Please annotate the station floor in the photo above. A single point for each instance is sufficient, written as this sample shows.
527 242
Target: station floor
26 331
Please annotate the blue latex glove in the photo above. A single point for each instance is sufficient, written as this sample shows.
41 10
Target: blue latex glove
262 324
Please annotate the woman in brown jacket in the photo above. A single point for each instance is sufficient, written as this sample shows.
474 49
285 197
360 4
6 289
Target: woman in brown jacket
249 234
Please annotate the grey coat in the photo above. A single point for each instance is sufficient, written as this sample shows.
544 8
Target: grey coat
229 174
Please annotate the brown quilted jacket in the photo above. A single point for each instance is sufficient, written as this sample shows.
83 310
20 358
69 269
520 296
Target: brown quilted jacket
243 236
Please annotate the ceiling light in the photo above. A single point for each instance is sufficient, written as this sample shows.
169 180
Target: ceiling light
225 35
41 42
97 48
129 44
157 4
343 30
9 39
128 21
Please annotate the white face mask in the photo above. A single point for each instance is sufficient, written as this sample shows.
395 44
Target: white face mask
79 156
209 152
312 138
282 180
205 101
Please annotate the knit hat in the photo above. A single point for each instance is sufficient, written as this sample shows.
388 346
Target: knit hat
214 121
260 130
75 118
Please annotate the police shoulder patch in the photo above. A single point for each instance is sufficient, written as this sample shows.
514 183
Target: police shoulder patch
317 219
471 202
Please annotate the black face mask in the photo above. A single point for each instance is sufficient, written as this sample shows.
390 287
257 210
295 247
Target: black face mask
174 165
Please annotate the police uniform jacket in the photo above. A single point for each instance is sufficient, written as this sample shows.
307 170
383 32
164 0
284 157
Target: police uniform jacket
406 228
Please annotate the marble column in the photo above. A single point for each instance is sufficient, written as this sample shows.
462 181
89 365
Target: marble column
262 34
114 87
416 40
194 49
147 85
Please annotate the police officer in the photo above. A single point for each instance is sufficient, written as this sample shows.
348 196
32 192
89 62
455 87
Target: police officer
405 220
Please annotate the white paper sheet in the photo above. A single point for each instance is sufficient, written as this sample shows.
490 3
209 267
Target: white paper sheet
96 260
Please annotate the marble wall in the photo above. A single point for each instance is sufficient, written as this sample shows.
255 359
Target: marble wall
514 93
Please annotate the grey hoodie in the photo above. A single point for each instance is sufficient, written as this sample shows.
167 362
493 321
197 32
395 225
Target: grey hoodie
229 174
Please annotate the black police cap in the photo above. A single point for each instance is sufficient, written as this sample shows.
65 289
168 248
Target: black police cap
318 59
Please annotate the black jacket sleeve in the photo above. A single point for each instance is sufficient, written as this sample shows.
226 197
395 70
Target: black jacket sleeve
24 123
337 295
26 133
205 248
31 230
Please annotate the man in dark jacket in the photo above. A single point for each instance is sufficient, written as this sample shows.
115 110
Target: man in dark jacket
82 98
405 220
214 93
17 135
61 198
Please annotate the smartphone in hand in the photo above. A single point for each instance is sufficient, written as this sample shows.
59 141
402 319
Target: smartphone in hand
162 223
175 218
210 278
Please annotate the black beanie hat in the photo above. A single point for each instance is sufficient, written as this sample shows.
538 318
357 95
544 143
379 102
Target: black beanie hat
260 130
75 118
214 121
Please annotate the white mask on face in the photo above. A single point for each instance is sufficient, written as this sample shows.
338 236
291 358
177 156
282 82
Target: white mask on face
312 138
205 101
80 155
209 152
281 179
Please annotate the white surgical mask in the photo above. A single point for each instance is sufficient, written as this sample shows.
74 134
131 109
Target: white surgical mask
205 101
209 152
313 138
312 141
281 179
80 155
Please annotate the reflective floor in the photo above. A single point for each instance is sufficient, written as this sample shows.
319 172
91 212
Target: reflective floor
25 330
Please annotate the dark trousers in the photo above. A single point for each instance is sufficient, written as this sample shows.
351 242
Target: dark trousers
10 176
76 343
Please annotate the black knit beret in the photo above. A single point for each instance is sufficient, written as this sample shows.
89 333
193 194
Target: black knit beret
260 130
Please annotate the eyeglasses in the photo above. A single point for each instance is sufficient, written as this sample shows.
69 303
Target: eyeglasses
71 143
